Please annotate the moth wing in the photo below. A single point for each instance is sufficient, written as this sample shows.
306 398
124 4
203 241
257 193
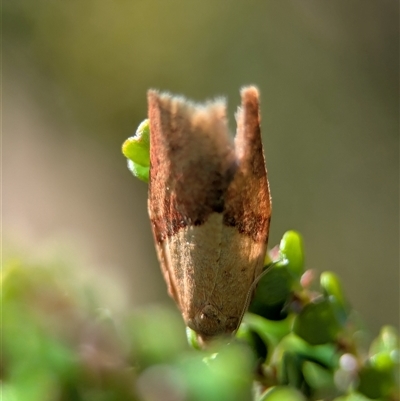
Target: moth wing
192 162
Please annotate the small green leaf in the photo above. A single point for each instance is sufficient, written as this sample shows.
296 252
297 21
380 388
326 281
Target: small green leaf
317 376
192 338
272 293
292 343
253 339
137 147
291 369
317 323
271 332
382 361
291 248
332 286
387 340
323 354
376 381
138 171
137 150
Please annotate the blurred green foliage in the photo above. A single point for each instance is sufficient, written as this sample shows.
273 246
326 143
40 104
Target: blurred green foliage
75 76
59 343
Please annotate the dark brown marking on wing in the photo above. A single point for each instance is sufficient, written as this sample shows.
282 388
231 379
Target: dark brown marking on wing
192 163
196 170
247 201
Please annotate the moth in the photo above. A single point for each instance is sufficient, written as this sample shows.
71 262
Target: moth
210 207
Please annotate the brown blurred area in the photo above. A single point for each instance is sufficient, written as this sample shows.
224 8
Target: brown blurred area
74 81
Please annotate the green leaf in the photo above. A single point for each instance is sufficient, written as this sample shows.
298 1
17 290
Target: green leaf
331 285
272 293
271 332
291 248
137 150
317 323
317 376
192 339
301 351
156 336
253 339
282 393
291 369
376 381
387 340
143 173
353 396
222 376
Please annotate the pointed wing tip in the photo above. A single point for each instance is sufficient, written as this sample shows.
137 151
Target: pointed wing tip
249 107
250 92
152 93
163 98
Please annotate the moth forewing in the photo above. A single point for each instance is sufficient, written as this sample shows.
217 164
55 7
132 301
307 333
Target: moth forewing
209 206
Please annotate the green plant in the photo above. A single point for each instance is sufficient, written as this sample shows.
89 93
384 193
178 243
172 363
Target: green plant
300 339
303 333
59 343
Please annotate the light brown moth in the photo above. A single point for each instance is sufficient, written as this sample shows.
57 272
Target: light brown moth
209 205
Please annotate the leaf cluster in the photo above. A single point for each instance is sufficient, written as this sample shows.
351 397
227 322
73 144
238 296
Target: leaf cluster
300 340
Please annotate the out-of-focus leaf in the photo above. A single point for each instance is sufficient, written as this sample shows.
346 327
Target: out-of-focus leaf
317 323
325 354
354 396
282 393
271 332
157 336
290 370
387 340
331 285
291 249
377 379
225 375
192 338
317 376
251 337
272 293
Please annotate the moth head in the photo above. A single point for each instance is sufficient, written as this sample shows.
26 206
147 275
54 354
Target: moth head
210 323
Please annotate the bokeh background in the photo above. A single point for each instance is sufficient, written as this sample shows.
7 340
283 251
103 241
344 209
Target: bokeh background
74 81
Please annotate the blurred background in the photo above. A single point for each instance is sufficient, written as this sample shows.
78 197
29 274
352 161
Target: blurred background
74 82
